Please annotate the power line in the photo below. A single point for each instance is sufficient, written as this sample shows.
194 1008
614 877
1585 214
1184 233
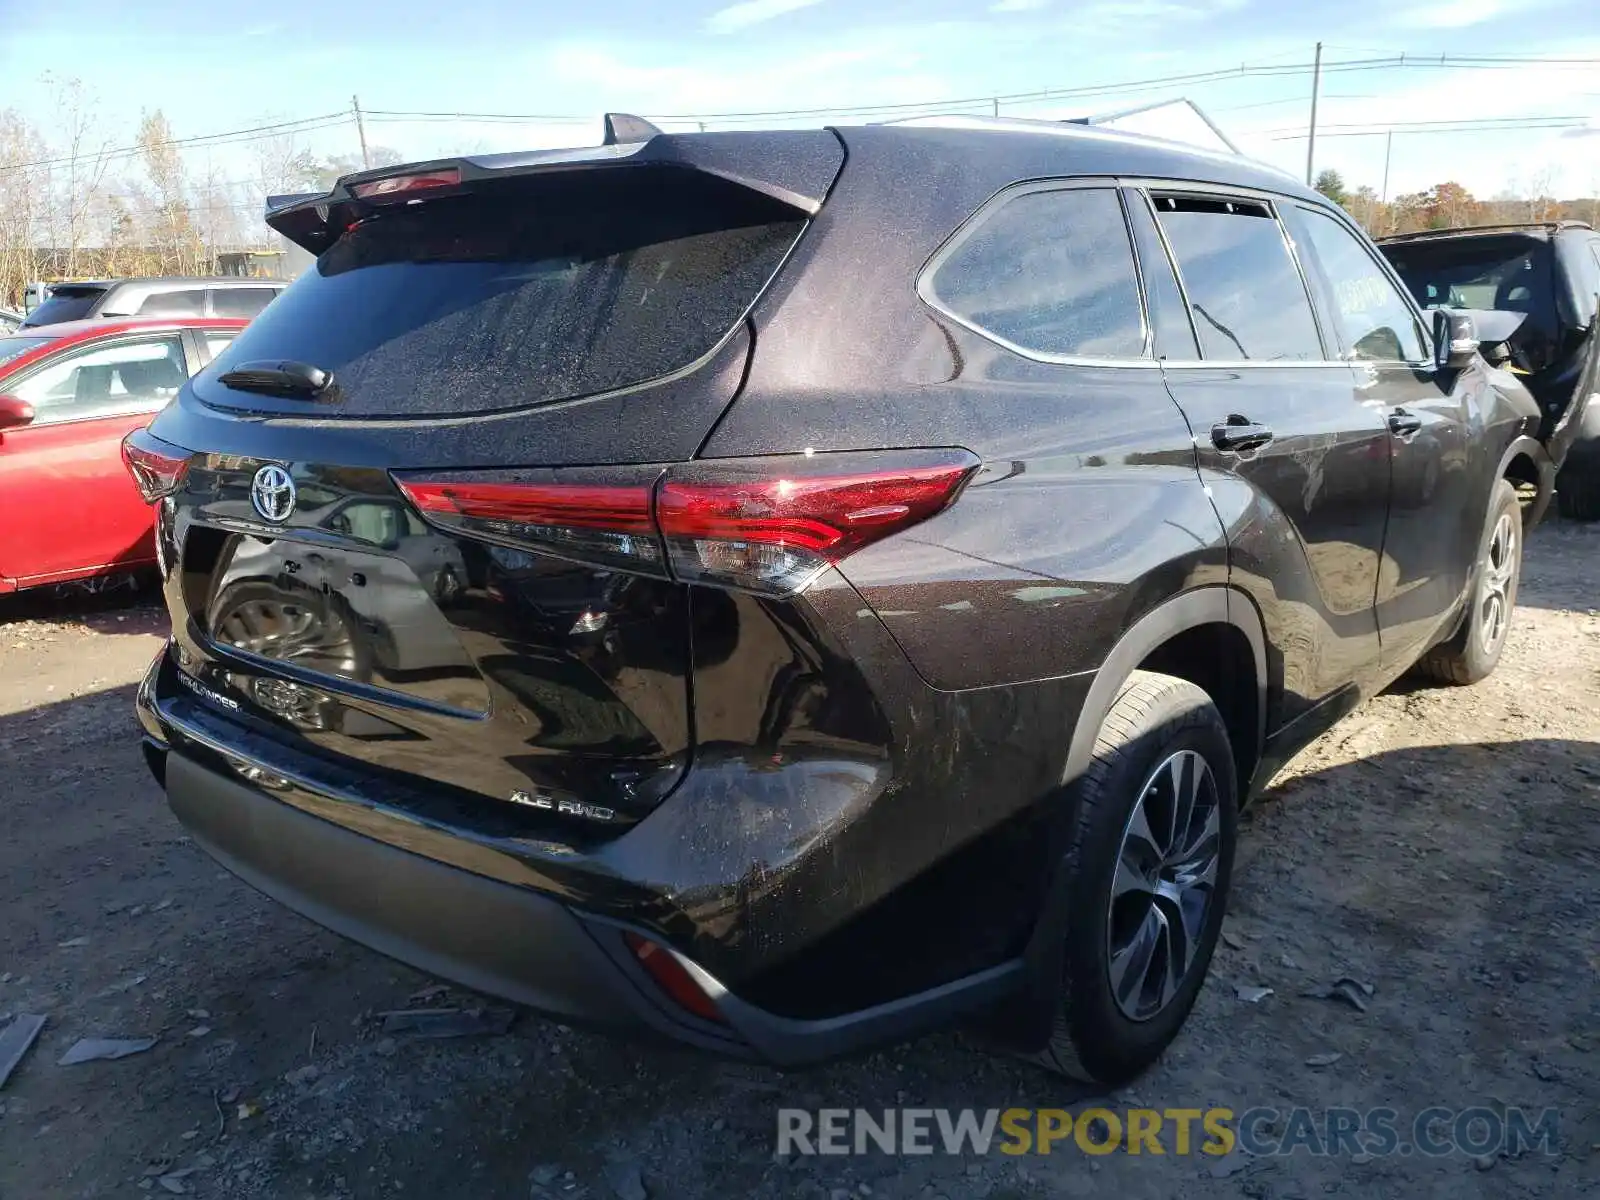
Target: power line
197 142
1042 95
982 104
1488 125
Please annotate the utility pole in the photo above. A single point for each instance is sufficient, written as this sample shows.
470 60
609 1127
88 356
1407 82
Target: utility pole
1388 145
361 131
1316 90
997 106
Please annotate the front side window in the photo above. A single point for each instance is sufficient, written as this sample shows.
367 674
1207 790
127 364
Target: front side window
105 381
1245 291
1050 272
1376 323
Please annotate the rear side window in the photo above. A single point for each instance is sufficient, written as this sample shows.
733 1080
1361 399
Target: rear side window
1050 272
1245 292
240 302
66 304
186 303
523 291
1376 321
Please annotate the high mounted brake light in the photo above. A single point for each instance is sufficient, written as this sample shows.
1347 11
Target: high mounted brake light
401 187
768 525
157 467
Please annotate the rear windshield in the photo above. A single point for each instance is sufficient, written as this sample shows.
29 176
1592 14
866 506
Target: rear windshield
1510 273
65 304
19 344
522 292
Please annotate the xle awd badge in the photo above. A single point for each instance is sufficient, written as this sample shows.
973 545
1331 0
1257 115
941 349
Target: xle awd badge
272 493
548 802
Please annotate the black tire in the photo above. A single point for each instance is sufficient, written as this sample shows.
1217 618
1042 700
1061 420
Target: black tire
1578 492
1471 655
1154 718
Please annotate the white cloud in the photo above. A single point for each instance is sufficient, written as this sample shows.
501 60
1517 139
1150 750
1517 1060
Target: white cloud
1456 14
1005 6
752 12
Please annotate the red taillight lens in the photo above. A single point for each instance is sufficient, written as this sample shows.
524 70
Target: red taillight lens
157 467
773 525
673 978
560 513
768 525
398 187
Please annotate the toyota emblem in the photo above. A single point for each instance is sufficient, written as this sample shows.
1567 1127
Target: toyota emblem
272 493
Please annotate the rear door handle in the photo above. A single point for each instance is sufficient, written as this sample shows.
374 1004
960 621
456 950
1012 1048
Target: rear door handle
1403 423
1239 433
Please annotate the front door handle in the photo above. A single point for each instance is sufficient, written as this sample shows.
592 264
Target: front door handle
1239 433
1403 423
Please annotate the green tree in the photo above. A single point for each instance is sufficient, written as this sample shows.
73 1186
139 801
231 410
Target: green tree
1331 184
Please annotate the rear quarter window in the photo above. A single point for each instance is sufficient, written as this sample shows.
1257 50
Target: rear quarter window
1049 272
523 292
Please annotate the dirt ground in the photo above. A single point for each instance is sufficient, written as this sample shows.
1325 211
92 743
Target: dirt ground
1440 844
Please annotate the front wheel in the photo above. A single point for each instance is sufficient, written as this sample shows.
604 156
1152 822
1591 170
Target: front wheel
1475 649
1147 868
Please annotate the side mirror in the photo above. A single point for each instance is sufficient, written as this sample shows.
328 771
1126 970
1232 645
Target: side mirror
14 412
1455 338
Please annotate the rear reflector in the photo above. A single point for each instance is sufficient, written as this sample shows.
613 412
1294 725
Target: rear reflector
672 978
157 467
768 525
398 187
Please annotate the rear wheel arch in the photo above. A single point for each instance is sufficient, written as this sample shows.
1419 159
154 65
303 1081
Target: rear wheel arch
1525 462
1175 638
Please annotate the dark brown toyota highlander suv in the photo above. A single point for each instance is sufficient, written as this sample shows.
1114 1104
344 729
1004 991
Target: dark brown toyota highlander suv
784 591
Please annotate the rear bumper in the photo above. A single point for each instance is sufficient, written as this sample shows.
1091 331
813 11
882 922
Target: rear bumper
490 936
435 902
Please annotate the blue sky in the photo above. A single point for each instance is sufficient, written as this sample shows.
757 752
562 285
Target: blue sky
215 65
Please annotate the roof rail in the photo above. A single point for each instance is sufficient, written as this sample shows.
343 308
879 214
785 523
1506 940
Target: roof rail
1494 227
1093 127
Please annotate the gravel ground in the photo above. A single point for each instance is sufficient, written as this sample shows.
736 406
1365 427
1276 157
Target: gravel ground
1440 845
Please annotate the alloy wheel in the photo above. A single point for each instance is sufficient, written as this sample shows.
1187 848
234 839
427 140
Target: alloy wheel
1494 593
1164 884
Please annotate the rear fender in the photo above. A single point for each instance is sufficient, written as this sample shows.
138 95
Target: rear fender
1028 1019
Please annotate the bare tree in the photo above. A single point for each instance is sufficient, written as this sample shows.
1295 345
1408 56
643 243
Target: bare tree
21 186
174 224
79 173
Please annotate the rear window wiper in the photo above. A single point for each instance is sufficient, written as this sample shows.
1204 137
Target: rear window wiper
275 377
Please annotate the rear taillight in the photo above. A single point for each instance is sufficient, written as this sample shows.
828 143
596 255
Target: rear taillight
157 467
401 187
774 525
570 514
769 525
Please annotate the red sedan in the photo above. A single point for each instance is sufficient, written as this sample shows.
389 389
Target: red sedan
69 393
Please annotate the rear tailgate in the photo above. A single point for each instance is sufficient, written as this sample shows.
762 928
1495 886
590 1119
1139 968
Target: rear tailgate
527 323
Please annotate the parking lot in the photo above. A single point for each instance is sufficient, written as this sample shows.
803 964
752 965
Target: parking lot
1441 845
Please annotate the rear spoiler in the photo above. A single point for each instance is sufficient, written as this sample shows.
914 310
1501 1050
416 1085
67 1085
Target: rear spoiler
794 167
